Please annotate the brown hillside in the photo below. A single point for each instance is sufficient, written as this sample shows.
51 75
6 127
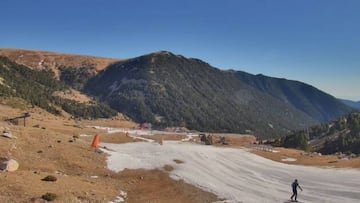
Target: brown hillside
53 60
73 95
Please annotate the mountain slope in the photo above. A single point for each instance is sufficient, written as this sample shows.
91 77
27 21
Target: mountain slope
171 90
70 68
351 103
317 104
39 88
342 135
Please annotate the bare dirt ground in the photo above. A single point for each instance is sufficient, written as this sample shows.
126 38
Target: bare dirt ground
51 145
233 140
308 159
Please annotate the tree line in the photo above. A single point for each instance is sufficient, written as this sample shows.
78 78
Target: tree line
38 87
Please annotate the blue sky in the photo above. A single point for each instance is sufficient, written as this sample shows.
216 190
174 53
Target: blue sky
314 41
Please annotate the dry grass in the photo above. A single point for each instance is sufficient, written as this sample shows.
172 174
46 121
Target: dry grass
53 60
303 158
81 174
234 140
165 136
73 95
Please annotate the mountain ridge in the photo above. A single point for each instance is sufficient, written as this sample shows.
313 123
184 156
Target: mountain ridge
316 103
190 87
354 104
48 60
172 90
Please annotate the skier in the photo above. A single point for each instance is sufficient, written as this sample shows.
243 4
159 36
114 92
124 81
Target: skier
294 186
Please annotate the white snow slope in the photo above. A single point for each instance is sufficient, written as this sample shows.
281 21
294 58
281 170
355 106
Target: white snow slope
236 174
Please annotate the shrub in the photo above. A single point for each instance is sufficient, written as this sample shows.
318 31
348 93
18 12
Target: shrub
49 196
50 178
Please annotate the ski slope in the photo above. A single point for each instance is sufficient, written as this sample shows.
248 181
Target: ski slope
236 174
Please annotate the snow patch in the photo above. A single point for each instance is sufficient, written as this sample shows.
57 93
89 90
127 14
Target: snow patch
236 175
120 198
124 130
141 138
84 135
41 63
288 159
189 137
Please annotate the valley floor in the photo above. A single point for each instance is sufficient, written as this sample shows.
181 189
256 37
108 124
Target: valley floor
191 172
